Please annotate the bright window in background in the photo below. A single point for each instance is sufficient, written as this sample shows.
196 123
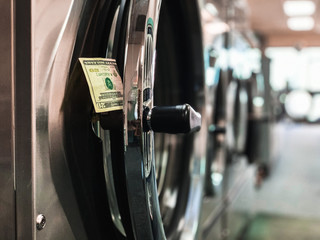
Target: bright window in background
297 69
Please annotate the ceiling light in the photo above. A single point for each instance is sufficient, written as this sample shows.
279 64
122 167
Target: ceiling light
299 8
300 23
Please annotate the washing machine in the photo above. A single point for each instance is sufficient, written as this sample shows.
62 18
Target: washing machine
72 173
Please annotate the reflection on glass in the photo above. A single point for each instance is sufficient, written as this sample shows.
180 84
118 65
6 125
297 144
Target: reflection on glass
216 178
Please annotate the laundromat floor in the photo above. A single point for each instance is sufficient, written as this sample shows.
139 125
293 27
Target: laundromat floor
274 227
286 207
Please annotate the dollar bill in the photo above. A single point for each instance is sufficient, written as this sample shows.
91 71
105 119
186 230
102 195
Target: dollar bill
105 84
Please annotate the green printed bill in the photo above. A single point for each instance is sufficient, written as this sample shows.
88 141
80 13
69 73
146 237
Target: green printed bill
104 82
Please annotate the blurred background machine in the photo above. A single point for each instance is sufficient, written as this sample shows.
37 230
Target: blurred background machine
275 61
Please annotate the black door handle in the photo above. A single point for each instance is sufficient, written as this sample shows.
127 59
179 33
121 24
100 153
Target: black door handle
172 119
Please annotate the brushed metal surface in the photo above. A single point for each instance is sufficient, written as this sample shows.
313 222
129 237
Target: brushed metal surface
7 195
45 36
54 30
